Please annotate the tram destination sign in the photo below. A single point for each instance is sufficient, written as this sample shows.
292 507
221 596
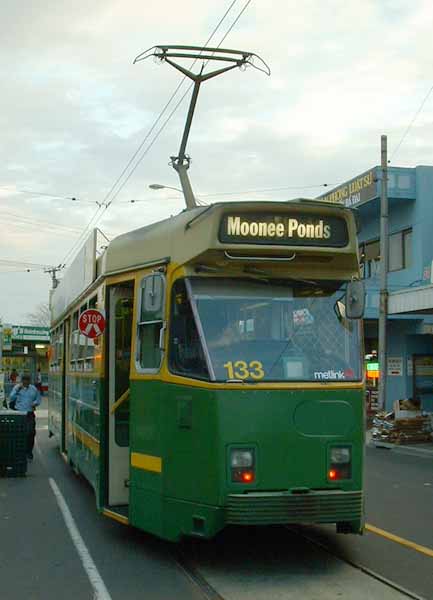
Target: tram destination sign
296 229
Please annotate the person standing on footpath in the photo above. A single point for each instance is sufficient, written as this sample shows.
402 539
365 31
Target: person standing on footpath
25 397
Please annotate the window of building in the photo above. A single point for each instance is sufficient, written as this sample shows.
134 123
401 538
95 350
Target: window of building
370 255
400 250
150 322
404 182
407 247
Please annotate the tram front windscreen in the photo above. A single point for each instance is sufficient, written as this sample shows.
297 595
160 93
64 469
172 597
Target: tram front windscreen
268 331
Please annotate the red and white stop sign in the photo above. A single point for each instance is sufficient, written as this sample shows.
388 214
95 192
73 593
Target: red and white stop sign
91 323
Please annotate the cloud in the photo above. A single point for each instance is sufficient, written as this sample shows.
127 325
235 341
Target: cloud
75 109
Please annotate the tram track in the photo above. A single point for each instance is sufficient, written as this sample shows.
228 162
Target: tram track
189 563
360 567
187 566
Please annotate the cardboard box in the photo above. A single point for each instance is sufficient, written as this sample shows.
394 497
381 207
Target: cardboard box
404 414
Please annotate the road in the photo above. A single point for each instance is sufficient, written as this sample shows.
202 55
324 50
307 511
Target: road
38 560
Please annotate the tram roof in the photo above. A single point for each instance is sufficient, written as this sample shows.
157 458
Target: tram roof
194 237
190 233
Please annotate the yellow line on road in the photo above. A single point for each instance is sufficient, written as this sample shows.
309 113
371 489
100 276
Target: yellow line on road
399 540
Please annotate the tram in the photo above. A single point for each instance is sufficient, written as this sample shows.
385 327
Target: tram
227 387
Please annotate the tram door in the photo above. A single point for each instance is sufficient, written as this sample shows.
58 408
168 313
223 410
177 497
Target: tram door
120 331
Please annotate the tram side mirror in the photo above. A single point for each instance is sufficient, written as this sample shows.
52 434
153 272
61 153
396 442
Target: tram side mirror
355 300
153 293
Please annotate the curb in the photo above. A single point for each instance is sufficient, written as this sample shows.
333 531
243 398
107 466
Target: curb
409 450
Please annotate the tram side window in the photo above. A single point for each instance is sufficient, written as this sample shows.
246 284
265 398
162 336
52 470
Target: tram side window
150 322
82 349
186 355
59 348
56 349
73 343
53 351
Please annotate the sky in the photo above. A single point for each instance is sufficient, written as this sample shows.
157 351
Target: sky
75 110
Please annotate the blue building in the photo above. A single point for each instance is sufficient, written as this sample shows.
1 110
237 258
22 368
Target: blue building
410 324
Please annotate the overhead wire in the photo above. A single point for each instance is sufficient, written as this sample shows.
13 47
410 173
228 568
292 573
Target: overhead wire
158 133
19 263
234 22
244 192
409 127
24 271
166 107
35 193
39 222
105 203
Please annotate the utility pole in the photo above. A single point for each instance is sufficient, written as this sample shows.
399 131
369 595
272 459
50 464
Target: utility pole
384 249
52 271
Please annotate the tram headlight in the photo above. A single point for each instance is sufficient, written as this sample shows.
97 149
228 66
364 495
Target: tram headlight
242 457
341 455
242 465
340 463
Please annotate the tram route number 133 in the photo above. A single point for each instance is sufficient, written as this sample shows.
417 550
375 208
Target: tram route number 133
243 370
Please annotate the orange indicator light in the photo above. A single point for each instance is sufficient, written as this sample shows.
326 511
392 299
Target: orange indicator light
247 476
332 474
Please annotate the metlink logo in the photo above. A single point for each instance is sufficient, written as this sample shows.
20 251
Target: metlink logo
331 374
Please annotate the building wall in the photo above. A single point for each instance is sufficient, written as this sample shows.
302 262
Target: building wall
410 199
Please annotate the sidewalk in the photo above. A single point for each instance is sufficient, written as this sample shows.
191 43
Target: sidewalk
425 450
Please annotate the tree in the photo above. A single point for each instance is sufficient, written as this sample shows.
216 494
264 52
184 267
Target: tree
41 316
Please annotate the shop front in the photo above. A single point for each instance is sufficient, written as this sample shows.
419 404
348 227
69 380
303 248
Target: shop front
25 350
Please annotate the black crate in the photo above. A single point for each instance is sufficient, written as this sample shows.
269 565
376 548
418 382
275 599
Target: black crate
12 448
12 422
17 469
13 443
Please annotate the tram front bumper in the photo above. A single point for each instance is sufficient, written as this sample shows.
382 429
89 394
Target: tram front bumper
314 506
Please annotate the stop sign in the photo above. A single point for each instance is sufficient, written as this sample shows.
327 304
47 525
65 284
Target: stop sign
91 323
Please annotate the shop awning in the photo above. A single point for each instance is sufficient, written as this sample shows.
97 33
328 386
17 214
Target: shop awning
417 300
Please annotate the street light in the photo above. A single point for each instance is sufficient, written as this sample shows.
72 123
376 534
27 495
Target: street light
159 186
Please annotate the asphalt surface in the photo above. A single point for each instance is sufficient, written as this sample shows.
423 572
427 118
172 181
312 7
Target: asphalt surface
38 560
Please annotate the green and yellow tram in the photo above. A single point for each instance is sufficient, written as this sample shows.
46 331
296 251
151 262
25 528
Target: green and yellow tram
227 387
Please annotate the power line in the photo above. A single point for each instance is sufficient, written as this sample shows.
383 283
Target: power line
35 193
19 263
38 222
409 127
235 21
265 190
244 192
19 271
167 104
98 213
180 101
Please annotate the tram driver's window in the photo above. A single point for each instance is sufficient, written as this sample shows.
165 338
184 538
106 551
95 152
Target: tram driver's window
185 354
150 322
